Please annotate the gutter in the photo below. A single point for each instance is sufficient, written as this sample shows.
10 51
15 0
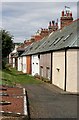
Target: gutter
51 69
48 51
65 69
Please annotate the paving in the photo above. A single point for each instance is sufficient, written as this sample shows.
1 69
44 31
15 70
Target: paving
13 104
48 101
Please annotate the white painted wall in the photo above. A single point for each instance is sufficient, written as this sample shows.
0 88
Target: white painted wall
10 61
72 68
58 76
35 65
13 62
19 64
24 64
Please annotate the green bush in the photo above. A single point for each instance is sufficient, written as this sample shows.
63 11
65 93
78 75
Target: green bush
3 64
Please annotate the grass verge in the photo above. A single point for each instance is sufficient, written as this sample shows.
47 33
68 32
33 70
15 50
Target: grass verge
12 77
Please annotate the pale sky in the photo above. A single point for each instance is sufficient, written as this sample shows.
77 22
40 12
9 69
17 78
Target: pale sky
23 19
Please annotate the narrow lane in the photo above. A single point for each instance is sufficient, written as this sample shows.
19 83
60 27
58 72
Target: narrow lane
45 102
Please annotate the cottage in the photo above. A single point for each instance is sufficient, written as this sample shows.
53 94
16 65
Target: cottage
12 55
31 61
35 58
45 65
20 59
19 68
26 61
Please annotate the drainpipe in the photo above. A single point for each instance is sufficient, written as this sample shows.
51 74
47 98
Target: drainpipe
65 69
51 69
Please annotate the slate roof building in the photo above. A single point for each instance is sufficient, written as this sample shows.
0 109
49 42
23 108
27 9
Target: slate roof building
55 57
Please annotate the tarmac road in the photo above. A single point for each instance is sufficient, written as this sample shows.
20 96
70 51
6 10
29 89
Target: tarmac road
47 101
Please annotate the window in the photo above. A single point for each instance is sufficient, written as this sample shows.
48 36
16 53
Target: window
31 48
53 42
58 40
67 37
42 44
37 46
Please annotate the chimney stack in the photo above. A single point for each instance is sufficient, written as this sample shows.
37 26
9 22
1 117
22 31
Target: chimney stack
53 26
66 18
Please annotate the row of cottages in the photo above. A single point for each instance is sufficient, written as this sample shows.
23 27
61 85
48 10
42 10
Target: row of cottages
14 56
36 39
55 57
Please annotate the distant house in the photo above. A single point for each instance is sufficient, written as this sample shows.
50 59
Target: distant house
26 61
12 55
35 58
20 66
30 60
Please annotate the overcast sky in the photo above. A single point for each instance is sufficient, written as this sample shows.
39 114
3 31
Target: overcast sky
23 19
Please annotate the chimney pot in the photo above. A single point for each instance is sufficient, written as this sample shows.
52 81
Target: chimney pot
53 22
56 24
63 13
50 23
71 14
67 14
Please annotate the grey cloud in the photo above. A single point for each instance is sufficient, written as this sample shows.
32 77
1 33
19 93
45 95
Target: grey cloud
40 0
25 18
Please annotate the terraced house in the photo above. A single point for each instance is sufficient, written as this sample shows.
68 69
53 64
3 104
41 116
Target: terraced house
55 57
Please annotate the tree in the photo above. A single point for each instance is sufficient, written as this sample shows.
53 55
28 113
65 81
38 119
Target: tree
7 44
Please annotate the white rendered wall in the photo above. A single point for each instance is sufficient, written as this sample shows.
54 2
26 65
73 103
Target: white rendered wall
72 68
13 62
58 72
10 59
35 65
24 64
19 63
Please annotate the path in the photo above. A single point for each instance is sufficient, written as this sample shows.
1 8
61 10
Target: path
45 101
